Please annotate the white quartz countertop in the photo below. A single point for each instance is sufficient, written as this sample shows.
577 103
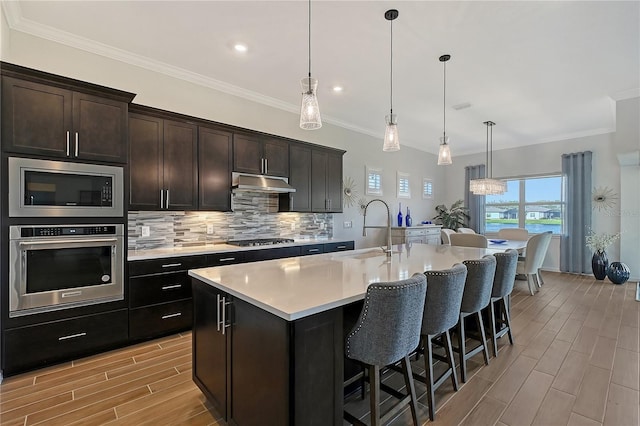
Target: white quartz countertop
218 248
297 287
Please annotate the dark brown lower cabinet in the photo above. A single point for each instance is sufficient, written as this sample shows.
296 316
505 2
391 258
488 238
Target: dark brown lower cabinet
259 369
38 345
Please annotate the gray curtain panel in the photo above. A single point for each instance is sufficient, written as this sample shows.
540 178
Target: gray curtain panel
576 170
475 203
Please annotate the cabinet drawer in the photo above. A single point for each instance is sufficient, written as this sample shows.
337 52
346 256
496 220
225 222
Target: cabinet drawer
433 231
160 319
415 232
345 245
169 264
154 289
229 258
39 345
312 249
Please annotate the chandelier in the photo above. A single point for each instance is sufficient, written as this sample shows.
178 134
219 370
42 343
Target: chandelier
488 185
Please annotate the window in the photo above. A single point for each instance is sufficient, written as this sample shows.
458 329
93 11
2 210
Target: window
373 181
404 190
531 203
427 188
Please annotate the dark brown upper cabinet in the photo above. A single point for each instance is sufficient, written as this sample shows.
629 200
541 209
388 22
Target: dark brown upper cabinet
299 178
163 164
57 121
260 155
214 168
326 181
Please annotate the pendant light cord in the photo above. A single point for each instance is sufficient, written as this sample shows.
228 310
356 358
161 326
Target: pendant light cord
491 150
444 108
309 43
391 74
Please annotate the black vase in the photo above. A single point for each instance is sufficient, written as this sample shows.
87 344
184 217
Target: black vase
618 272
599 263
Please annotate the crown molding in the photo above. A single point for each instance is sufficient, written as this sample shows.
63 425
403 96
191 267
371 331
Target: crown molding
18 23
626 94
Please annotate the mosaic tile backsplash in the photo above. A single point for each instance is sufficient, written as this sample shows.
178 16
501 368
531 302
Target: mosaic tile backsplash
254 215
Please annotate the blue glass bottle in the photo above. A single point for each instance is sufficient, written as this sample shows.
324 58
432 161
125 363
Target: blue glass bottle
408 219
400 215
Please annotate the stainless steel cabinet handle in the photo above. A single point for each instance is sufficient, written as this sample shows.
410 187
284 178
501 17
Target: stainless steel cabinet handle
224 324
266 166
313 250
227 259
162 198
218 312
67 143
72 336
171 265
167 199
77 143
341 247
172 287
177 314
329 203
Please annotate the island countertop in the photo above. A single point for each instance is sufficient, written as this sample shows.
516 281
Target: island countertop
297 287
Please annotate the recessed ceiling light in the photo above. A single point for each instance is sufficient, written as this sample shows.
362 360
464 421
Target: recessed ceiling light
239 47
337 89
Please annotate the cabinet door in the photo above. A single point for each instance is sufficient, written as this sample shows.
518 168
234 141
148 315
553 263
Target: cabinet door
334 183
214 169
36 118
276 155
210 352
145 166
247 154
99 128
180 165
319 201
300 178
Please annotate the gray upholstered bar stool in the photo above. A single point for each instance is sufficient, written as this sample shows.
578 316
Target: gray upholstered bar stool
503 281
476 297
387 331
441 313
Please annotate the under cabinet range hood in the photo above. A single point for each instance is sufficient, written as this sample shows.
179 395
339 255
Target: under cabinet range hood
260 183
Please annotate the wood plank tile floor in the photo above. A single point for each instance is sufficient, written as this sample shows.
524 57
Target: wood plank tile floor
575 361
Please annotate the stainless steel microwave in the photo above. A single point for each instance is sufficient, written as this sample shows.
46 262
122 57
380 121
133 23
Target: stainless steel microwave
44 188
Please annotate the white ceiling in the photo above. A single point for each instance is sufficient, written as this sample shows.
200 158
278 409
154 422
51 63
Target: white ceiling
542 70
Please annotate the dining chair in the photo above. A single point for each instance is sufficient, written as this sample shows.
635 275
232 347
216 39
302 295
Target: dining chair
466 231
476 297
519 234
444 235
503 282
530 265
441 313
468 240
388 331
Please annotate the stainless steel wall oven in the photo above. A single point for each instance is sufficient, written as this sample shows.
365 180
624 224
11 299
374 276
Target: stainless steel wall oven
55 267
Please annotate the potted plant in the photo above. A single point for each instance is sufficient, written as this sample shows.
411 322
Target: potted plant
454 217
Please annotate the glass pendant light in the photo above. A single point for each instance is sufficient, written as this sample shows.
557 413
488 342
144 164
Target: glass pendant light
391 141
488 185
310 111
444 154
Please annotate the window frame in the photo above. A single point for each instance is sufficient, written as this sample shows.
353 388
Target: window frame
522 204
369 190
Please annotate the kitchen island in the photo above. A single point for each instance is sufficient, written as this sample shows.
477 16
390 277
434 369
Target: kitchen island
268 336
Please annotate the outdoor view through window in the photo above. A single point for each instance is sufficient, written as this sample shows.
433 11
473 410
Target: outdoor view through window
531 203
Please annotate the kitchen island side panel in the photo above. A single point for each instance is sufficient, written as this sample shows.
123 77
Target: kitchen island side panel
277 372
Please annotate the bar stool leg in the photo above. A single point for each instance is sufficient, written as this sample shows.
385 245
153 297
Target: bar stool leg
494 339
485 348
428 368
452 362
463 349
374 391
507 317
408 381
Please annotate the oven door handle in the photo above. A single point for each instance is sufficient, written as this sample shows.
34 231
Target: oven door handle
67 242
